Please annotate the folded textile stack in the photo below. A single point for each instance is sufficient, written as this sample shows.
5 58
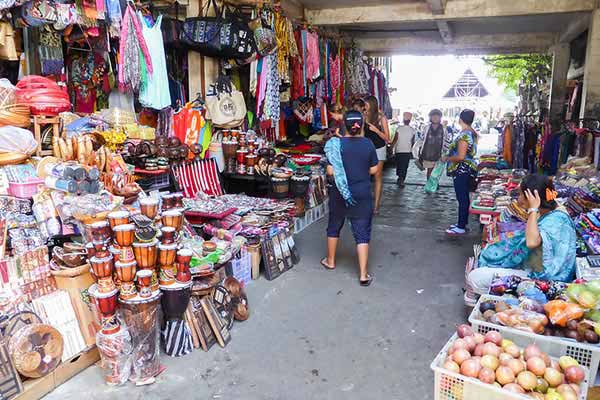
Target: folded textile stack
584 200
588 227
503 202
492 161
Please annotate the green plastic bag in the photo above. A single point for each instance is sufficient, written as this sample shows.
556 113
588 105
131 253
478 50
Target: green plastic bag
434 180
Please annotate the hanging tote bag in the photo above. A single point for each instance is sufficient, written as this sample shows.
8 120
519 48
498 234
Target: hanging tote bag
264 37
226 107
225 35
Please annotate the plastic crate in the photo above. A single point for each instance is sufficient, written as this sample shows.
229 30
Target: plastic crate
587 355
25 190
452 386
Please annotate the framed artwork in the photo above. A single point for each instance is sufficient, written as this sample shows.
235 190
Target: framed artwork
205 332
218 326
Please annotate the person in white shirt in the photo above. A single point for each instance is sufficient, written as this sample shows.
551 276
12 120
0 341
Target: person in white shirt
402 145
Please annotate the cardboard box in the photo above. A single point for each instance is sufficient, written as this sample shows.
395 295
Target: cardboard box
34 389
77 287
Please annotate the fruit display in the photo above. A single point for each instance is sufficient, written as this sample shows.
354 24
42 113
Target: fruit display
527 371
557 318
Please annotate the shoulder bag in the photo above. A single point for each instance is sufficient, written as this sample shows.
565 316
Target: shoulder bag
226 107
225 35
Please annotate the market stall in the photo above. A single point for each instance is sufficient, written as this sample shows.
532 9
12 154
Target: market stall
524 312
141 210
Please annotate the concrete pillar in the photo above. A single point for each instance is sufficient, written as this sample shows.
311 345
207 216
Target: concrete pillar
590 106
558 91
202 71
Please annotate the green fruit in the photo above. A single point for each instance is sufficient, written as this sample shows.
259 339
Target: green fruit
542 385
553 395
573 291
567 361
594 286
597 329
587 299
593 315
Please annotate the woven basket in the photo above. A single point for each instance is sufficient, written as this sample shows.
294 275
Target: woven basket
15 115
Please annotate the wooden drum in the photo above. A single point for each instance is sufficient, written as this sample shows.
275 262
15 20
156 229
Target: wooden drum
120 217
173 218
124 234
167 253
146 253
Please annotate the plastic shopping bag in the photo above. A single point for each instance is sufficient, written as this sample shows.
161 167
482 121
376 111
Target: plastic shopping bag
433 182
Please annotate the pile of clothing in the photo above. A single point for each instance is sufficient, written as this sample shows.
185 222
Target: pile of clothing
493 161
588 227
584 199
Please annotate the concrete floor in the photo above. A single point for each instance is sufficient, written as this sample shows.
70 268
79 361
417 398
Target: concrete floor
316 334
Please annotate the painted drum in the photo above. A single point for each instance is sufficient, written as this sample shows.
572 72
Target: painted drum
168 235
146 253
149 207
173 218
175 299
144 280
103 267
167 275
126 270
124 234
167 253
106 305
100 230
120 217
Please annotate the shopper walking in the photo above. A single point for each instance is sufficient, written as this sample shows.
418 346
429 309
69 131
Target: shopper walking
402 145
378 131
352 161
463 168
435 139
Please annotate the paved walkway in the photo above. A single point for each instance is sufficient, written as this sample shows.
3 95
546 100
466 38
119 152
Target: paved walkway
316 334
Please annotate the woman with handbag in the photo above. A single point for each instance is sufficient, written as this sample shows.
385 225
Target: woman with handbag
462 167
352 161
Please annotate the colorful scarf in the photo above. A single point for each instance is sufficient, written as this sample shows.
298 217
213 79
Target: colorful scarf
333 150
133 52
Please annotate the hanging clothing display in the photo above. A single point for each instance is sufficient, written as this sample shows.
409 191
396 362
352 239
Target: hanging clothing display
311 55
507 146
286 45
51 53
155 91
272 106
133 53
357 75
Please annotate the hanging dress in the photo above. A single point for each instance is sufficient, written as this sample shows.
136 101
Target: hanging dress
155 93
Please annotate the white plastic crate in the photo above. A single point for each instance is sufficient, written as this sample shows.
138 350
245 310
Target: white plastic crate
452 386
588 355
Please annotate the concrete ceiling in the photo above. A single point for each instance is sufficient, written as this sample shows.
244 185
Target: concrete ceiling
553 23
454 26
320 4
